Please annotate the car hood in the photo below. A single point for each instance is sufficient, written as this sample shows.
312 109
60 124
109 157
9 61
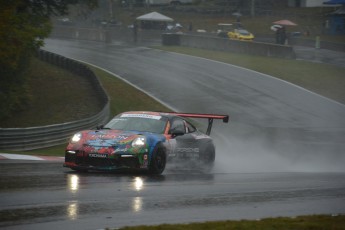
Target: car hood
106 138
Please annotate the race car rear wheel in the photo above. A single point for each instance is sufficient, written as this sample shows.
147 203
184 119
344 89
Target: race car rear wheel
80 170
207 158
209 154
158 161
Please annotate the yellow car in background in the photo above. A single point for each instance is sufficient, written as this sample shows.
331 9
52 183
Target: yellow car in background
241 34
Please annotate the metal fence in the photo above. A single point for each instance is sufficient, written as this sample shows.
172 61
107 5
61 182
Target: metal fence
50 135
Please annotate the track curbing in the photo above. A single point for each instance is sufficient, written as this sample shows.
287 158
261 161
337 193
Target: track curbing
8 156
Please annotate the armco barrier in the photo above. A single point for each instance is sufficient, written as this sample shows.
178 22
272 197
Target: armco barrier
91 34
50 135
117 33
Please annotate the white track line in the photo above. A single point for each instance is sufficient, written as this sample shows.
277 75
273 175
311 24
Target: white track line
4 156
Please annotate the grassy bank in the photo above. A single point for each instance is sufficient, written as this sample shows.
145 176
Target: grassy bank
56 96
317 222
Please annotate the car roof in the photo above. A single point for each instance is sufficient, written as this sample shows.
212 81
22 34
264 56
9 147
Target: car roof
163 114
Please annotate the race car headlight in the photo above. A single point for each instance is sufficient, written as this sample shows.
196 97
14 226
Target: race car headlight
76 137
139 142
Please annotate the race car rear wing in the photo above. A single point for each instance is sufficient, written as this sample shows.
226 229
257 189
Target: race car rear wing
210 118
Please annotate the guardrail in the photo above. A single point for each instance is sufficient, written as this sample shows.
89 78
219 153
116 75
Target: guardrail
46 136
106 35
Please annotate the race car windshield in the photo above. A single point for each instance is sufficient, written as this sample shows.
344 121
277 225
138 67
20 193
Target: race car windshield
138 122
243 32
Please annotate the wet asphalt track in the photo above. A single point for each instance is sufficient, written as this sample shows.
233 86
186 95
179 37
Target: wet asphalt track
45 196
282 154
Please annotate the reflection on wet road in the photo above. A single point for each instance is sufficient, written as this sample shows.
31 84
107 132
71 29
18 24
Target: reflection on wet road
41 195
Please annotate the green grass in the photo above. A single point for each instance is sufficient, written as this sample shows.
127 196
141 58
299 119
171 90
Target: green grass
324 79
56 96
316 222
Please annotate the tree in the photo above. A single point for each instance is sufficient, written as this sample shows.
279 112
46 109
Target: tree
23 26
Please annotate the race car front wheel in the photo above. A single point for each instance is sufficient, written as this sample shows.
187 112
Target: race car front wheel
158 161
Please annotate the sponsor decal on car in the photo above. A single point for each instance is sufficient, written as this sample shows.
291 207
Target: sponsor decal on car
96 155
187 150
121 150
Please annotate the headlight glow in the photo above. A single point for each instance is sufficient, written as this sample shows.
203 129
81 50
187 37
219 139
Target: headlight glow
76 138
139 142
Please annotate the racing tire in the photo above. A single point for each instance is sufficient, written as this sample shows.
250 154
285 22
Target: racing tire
158 161
80 170
209 154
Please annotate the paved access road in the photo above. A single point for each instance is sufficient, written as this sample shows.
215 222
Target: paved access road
282 154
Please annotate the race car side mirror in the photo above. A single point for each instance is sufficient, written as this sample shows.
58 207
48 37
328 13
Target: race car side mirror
175 133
